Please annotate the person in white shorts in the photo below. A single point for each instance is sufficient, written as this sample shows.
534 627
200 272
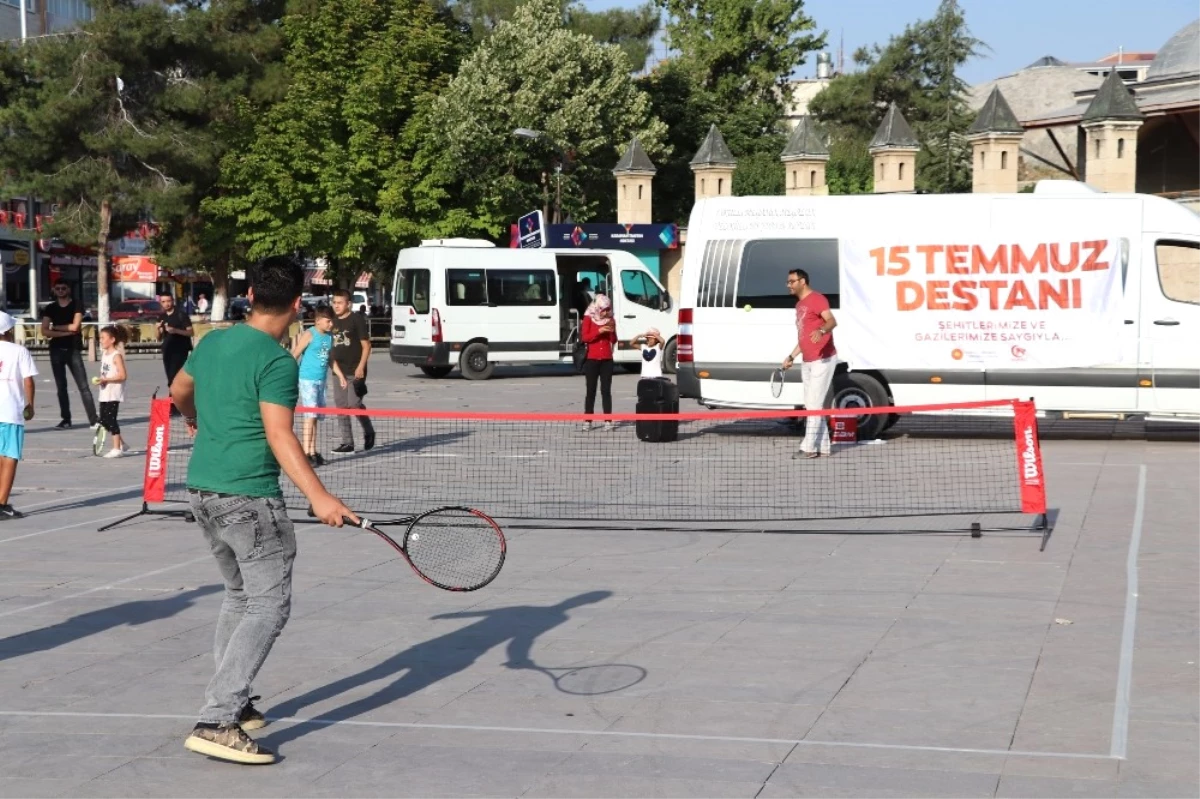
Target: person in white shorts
17 371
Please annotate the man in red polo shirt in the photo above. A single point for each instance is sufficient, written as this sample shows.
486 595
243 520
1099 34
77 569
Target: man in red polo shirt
814 328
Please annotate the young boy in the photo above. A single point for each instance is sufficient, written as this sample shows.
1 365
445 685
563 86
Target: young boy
311 349
16 408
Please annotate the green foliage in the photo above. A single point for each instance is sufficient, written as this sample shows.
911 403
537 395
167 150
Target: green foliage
850 169
101 123
918 70
632 29
734 56
532 72
326 169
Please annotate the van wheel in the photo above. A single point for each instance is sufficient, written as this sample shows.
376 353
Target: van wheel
853 390
669 357
437 371
474 363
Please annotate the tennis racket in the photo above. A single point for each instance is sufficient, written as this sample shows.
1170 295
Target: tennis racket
455 549
594 680
98 440
777 383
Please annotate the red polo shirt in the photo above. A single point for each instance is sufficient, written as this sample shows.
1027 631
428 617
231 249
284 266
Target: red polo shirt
808 319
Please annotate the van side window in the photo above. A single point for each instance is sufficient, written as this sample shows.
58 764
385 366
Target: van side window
521 287
762 274
412 288
466 287
1179 270
639 288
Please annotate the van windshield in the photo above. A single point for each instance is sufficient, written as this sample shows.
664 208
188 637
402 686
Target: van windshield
412 289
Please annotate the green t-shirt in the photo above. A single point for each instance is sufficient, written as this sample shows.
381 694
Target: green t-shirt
235 369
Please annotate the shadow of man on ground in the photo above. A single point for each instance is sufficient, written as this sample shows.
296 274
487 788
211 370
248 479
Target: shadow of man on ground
142 611
428 662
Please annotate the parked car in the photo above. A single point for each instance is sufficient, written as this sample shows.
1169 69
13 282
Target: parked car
136 310
239 308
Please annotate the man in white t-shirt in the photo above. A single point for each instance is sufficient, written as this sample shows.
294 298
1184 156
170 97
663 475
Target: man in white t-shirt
16 407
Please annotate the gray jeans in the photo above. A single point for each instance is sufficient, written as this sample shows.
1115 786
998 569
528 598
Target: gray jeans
254 544
346 398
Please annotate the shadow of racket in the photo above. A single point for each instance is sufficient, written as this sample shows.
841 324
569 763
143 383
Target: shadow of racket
596 680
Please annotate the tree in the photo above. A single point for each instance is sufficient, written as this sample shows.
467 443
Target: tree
98 123
735 57
532 72
918 71
632 29
233 50
318 174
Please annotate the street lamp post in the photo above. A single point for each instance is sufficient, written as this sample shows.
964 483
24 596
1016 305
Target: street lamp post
528 133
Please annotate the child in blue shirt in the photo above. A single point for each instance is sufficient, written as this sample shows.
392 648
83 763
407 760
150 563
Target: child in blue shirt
311 349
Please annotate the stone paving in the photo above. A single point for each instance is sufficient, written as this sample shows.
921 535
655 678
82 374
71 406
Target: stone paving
720 664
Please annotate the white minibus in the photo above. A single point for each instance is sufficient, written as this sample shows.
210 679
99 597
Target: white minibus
467 303
737 321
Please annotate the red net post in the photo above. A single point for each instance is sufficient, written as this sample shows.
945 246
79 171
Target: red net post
1030 474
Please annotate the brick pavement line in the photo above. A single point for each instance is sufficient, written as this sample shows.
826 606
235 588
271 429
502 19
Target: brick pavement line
165 569
64 527
1120 728
562 731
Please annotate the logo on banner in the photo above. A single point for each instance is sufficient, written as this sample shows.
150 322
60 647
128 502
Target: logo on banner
1031 470
845 429
1018 352
155 468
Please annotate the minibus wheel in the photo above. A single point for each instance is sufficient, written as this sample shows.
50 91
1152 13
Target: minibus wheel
853 390
474 363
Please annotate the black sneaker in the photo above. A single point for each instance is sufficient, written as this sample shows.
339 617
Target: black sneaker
369 441
344 448
63 425
317 460
251 718
227 742
9 512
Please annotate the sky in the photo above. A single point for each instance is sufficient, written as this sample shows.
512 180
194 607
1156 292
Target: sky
1018 32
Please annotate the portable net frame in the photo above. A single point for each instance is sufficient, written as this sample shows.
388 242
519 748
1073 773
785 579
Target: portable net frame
937 467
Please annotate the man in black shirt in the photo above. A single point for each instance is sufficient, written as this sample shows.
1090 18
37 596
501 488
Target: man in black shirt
351 349
176 330
62 321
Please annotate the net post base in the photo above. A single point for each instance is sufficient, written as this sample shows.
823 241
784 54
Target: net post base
1043 524
146 510
976 530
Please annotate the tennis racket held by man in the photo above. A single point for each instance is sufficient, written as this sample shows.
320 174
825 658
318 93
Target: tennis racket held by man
452 548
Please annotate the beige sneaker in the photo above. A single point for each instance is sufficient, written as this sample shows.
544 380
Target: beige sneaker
227 742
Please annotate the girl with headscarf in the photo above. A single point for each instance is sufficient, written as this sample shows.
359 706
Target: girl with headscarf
600 335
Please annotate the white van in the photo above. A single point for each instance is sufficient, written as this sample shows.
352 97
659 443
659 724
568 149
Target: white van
468 303
737 320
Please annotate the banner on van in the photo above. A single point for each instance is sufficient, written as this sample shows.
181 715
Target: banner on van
944 305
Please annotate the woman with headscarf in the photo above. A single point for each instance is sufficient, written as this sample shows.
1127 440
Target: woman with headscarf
600 335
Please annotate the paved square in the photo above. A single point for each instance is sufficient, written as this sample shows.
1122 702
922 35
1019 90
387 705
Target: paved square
618 663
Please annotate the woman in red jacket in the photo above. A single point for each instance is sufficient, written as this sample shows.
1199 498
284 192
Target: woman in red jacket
600 335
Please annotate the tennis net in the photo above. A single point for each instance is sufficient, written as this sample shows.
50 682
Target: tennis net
722 466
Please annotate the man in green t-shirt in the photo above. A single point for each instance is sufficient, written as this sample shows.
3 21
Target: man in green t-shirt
238 393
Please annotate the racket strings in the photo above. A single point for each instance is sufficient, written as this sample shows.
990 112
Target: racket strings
455 548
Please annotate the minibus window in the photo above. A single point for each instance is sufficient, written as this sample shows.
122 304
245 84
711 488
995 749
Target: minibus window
1179 270
412 289
762 274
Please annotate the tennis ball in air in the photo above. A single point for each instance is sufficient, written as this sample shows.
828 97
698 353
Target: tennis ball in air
95 381
746 307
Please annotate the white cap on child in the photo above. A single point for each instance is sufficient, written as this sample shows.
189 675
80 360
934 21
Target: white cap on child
7 323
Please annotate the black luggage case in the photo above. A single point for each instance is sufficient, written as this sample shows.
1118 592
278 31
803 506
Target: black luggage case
657 397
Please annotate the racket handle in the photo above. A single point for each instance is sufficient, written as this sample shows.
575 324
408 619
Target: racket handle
363 523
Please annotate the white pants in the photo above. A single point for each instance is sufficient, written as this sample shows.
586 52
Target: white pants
817 375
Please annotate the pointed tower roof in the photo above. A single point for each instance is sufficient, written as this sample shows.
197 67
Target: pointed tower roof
894 132
713 151
1112 101
808 139
996 116
634 160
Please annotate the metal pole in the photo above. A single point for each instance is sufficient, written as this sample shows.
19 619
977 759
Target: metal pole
558 195
24 24
33 266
